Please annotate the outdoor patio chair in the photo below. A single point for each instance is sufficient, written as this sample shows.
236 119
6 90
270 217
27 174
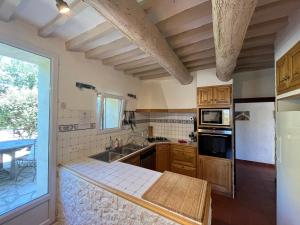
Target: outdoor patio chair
27 161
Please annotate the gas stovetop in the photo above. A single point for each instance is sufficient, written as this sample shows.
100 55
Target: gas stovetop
158 139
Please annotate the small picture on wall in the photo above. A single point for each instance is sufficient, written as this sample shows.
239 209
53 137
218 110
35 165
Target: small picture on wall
242 115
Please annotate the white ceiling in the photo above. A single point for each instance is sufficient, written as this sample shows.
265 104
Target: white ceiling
40 12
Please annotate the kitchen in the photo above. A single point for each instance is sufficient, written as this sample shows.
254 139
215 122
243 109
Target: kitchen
144 119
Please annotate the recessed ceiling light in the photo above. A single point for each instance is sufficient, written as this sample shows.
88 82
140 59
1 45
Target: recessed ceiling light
62 6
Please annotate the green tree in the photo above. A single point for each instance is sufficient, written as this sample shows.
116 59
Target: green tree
18 96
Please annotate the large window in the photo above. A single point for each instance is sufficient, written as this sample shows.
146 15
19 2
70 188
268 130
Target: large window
110 110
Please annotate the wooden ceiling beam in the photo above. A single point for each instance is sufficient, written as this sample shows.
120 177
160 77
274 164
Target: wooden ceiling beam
158 10
130 18
8 8
196 47
202 67
98 52
254 66
274 10
155 76
189 19
150 72
255 59
136 63
132 55
199 55
200 62
256 51
76 7
229 36
140 69
191 36
100 31
265 28
259 41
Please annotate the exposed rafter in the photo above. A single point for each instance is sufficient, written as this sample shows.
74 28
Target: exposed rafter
131 19
229 36
8 8
76 7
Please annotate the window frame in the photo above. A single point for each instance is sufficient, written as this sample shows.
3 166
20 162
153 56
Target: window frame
100 112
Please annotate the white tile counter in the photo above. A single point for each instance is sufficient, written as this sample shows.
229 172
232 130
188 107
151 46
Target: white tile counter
130 179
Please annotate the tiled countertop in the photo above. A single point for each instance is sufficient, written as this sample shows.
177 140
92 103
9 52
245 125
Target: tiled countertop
130 179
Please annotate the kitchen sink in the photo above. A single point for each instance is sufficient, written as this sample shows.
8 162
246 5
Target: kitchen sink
117 153
107 156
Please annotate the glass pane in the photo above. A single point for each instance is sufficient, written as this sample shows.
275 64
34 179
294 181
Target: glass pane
112 112
24 126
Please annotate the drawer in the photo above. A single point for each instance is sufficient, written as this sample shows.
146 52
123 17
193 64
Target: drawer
184 157
133 160
185 170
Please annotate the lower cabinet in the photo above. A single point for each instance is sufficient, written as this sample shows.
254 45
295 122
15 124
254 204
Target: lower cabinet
217 171
133 160
183 159
162 157
185 170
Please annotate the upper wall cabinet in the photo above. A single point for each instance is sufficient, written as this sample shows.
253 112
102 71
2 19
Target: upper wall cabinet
288 70
214 96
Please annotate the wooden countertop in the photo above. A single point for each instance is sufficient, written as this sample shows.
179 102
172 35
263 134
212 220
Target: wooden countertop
184 195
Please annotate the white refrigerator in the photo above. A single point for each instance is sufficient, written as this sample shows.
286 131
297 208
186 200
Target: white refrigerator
288 168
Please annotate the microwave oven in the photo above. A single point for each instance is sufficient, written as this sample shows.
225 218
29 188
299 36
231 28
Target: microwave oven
214 117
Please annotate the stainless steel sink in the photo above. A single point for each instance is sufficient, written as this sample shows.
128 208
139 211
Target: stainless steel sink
108 156
117 153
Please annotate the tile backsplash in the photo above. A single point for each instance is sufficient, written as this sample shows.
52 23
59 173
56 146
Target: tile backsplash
78 136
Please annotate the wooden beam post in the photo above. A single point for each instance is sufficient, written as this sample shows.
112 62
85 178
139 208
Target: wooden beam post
231 19
130 18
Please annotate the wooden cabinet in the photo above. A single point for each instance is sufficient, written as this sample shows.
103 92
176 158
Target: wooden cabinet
133 160
214 96
183 159
288 70
185 170
217 171
205 96
162 157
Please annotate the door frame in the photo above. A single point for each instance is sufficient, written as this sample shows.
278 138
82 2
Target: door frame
53 115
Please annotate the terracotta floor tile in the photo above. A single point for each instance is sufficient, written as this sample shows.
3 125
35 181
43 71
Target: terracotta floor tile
255 202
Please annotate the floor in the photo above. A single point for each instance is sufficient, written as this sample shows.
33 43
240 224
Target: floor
16 193
255 202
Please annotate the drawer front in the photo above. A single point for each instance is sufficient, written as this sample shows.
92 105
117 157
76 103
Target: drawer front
134 160
185 156
185 170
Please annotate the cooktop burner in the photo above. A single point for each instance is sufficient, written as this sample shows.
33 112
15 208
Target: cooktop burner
158 139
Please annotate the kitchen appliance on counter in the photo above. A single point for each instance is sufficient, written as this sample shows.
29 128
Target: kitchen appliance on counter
157 139
215 142
214 117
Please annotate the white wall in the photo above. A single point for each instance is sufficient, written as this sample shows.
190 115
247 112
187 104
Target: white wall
208 78
254 84
255 139
166 94
289 36
72 67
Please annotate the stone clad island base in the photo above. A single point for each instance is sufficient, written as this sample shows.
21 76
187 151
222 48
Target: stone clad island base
84 200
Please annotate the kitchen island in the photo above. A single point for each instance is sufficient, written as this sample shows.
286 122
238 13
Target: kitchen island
95 192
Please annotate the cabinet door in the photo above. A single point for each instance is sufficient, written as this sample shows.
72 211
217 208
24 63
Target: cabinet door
217 172
133 160
222 95
162 157
185 170
294 56
282 74
205 96
183 155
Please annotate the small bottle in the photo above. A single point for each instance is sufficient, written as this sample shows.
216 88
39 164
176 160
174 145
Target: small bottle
117 144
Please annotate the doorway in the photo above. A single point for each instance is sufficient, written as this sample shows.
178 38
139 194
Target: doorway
26 137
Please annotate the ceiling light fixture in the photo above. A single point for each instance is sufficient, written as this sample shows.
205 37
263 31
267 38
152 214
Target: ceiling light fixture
62 6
